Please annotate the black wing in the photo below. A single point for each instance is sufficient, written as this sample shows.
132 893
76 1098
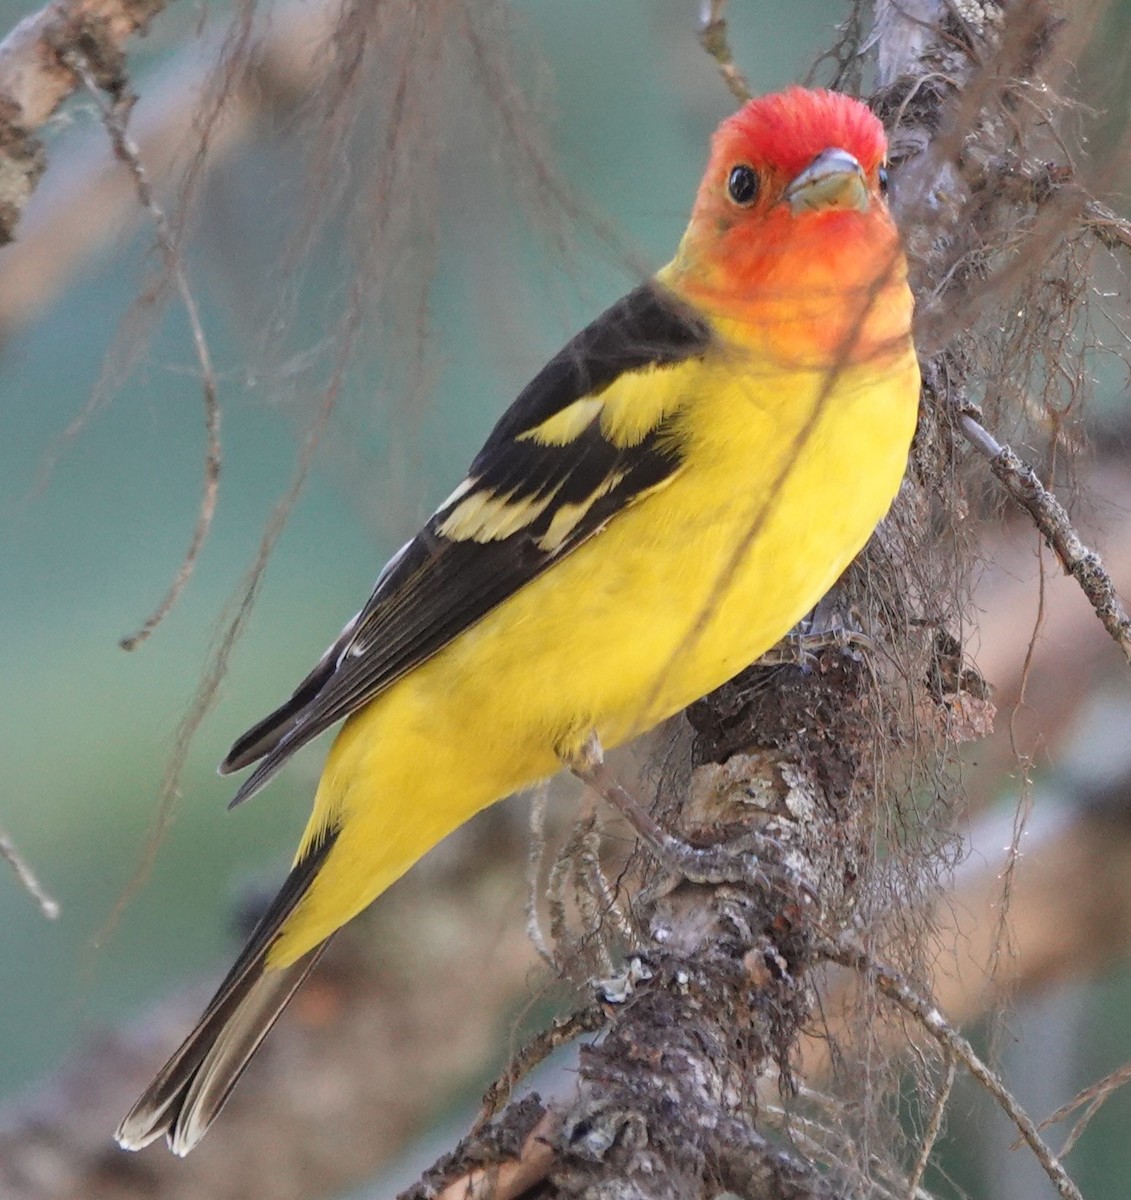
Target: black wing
527 501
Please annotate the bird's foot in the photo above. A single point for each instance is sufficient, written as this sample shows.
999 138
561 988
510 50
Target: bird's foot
827 625
706 865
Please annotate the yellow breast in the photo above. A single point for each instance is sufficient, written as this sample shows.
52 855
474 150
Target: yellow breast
785 475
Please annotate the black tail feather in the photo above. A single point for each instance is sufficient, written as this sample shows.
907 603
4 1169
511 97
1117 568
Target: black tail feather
189 1091
266 734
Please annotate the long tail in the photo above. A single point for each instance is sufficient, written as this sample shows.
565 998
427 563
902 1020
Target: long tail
189 1091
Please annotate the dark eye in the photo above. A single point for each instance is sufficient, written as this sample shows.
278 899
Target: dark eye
882 178
742 184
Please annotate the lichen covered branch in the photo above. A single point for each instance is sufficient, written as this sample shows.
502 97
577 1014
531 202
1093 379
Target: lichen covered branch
717 985
36 77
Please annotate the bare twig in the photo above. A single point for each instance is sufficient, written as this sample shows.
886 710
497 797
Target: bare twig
114 117
29 881
583 857
713 39
934 1128
536 1051
233 624
1094 1096
1107 226
592 878
1050 517
535 856
892 985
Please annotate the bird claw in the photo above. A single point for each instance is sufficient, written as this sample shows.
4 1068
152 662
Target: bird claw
708 865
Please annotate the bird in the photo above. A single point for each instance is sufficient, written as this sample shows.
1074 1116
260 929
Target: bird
664 501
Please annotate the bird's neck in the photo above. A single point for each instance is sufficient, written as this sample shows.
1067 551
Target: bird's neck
842 301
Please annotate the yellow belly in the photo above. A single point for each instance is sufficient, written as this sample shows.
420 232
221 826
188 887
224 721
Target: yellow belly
674 597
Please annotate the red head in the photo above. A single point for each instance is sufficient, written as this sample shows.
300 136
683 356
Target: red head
790 236
783 133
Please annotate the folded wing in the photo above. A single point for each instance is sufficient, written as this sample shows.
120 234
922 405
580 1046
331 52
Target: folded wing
551 475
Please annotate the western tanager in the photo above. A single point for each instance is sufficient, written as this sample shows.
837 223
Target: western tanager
668 497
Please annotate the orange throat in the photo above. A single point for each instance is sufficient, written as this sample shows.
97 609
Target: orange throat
831 293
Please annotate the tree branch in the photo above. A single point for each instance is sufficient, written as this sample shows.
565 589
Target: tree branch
890 983
28 879
1055 525
35 79
713 38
